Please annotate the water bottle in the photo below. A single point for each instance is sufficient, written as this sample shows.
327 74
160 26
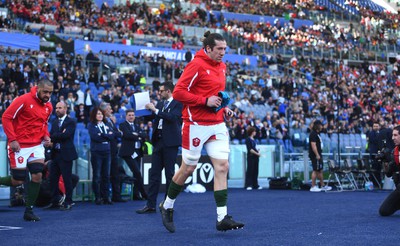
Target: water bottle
369 186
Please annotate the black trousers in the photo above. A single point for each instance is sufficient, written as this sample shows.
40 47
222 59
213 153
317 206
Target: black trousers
163 158
115 177
64 168
252 171
391 204
376 166
134 166
45 196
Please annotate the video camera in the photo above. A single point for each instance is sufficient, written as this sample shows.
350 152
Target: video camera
384 155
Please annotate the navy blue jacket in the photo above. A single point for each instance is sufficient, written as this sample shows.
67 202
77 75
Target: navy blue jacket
373 142
129 138
64 135
99 142
114 140
172 124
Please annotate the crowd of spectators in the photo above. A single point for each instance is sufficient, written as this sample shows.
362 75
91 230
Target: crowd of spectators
122 21
347 98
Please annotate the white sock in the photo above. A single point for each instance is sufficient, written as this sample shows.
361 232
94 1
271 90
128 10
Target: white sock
221 212
169 203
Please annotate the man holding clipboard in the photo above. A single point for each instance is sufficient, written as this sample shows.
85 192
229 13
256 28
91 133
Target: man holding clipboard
166 140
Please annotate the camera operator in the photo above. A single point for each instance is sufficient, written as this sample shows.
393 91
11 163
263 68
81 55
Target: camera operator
391 165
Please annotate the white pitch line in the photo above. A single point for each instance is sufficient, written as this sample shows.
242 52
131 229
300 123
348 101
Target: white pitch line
7 228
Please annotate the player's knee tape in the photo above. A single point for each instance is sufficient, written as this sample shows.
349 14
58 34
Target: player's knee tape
18 174
35 167
190 157
218 149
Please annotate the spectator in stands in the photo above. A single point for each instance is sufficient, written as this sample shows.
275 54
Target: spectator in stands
89 101
231 129
265 131
188 56
149 130
60 52
100 137
315 154
253 155
79 94
28 29
282 128
81 115
240 129
89 36
71 102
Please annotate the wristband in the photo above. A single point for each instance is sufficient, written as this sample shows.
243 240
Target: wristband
206 101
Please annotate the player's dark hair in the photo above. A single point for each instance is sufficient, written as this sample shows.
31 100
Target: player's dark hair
316 124
209 39
45 82
397 128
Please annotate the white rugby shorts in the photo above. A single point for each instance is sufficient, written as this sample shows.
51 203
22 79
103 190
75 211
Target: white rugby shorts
214 138
19 160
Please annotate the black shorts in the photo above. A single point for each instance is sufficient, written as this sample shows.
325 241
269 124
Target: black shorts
317 165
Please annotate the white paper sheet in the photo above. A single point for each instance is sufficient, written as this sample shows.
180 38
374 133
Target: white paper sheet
141 99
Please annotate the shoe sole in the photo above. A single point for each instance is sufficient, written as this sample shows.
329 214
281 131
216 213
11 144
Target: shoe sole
31 220
147 212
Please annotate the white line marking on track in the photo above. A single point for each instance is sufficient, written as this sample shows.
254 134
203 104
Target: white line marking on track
7 228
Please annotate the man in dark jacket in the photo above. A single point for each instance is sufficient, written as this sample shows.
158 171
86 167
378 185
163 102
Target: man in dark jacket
166 140
373 148
131 149
384 141
63 153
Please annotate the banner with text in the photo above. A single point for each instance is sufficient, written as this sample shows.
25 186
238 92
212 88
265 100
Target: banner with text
261 19
19 41
83 47
204 173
